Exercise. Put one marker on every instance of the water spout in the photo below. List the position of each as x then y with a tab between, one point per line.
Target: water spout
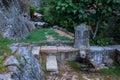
82	54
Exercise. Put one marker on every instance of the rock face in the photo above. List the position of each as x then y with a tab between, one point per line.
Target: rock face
13	21
12	61
25	7
36	3
28	68
5	76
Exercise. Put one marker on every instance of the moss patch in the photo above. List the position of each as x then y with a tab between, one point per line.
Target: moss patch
74	65
115	71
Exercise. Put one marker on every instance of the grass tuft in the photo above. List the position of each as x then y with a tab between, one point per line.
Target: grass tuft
4	49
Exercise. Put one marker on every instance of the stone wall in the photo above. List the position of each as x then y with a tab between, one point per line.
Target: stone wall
117	56
103	54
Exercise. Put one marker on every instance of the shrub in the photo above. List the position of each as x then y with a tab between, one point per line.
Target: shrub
69	13
32	11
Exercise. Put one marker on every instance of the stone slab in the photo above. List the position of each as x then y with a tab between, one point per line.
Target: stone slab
66	49
36	50
49	49
96	48
51	64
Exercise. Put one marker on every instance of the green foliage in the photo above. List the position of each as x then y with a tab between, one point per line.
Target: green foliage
113	29
32	10
2	67
68	14
3	45
55	13
101	41
108	32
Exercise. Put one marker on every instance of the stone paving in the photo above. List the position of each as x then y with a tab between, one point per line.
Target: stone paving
64	73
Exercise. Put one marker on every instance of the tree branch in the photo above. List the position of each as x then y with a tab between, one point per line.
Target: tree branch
96	29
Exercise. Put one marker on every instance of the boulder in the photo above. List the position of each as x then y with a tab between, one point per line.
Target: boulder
12	63
29	68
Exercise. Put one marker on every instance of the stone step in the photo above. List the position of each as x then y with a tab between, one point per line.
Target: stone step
36	51
51	64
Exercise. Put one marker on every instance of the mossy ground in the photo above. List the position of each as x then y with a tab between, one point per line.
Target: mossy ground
115	71
40	35
112	73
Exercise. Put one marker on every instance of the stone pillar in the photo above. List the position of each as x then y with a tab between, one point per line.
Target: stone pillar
82	38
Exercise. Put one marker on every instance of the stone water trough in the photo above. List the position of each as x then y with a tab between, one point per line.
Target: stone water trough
97	55
52	54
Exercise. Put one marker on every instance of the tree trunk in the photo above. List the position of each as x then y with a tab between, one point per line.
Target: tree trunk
96	29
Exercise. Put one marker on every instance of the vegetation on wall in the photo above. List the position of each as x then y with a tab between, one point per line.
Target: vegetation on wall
96	13
4	50
32	11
